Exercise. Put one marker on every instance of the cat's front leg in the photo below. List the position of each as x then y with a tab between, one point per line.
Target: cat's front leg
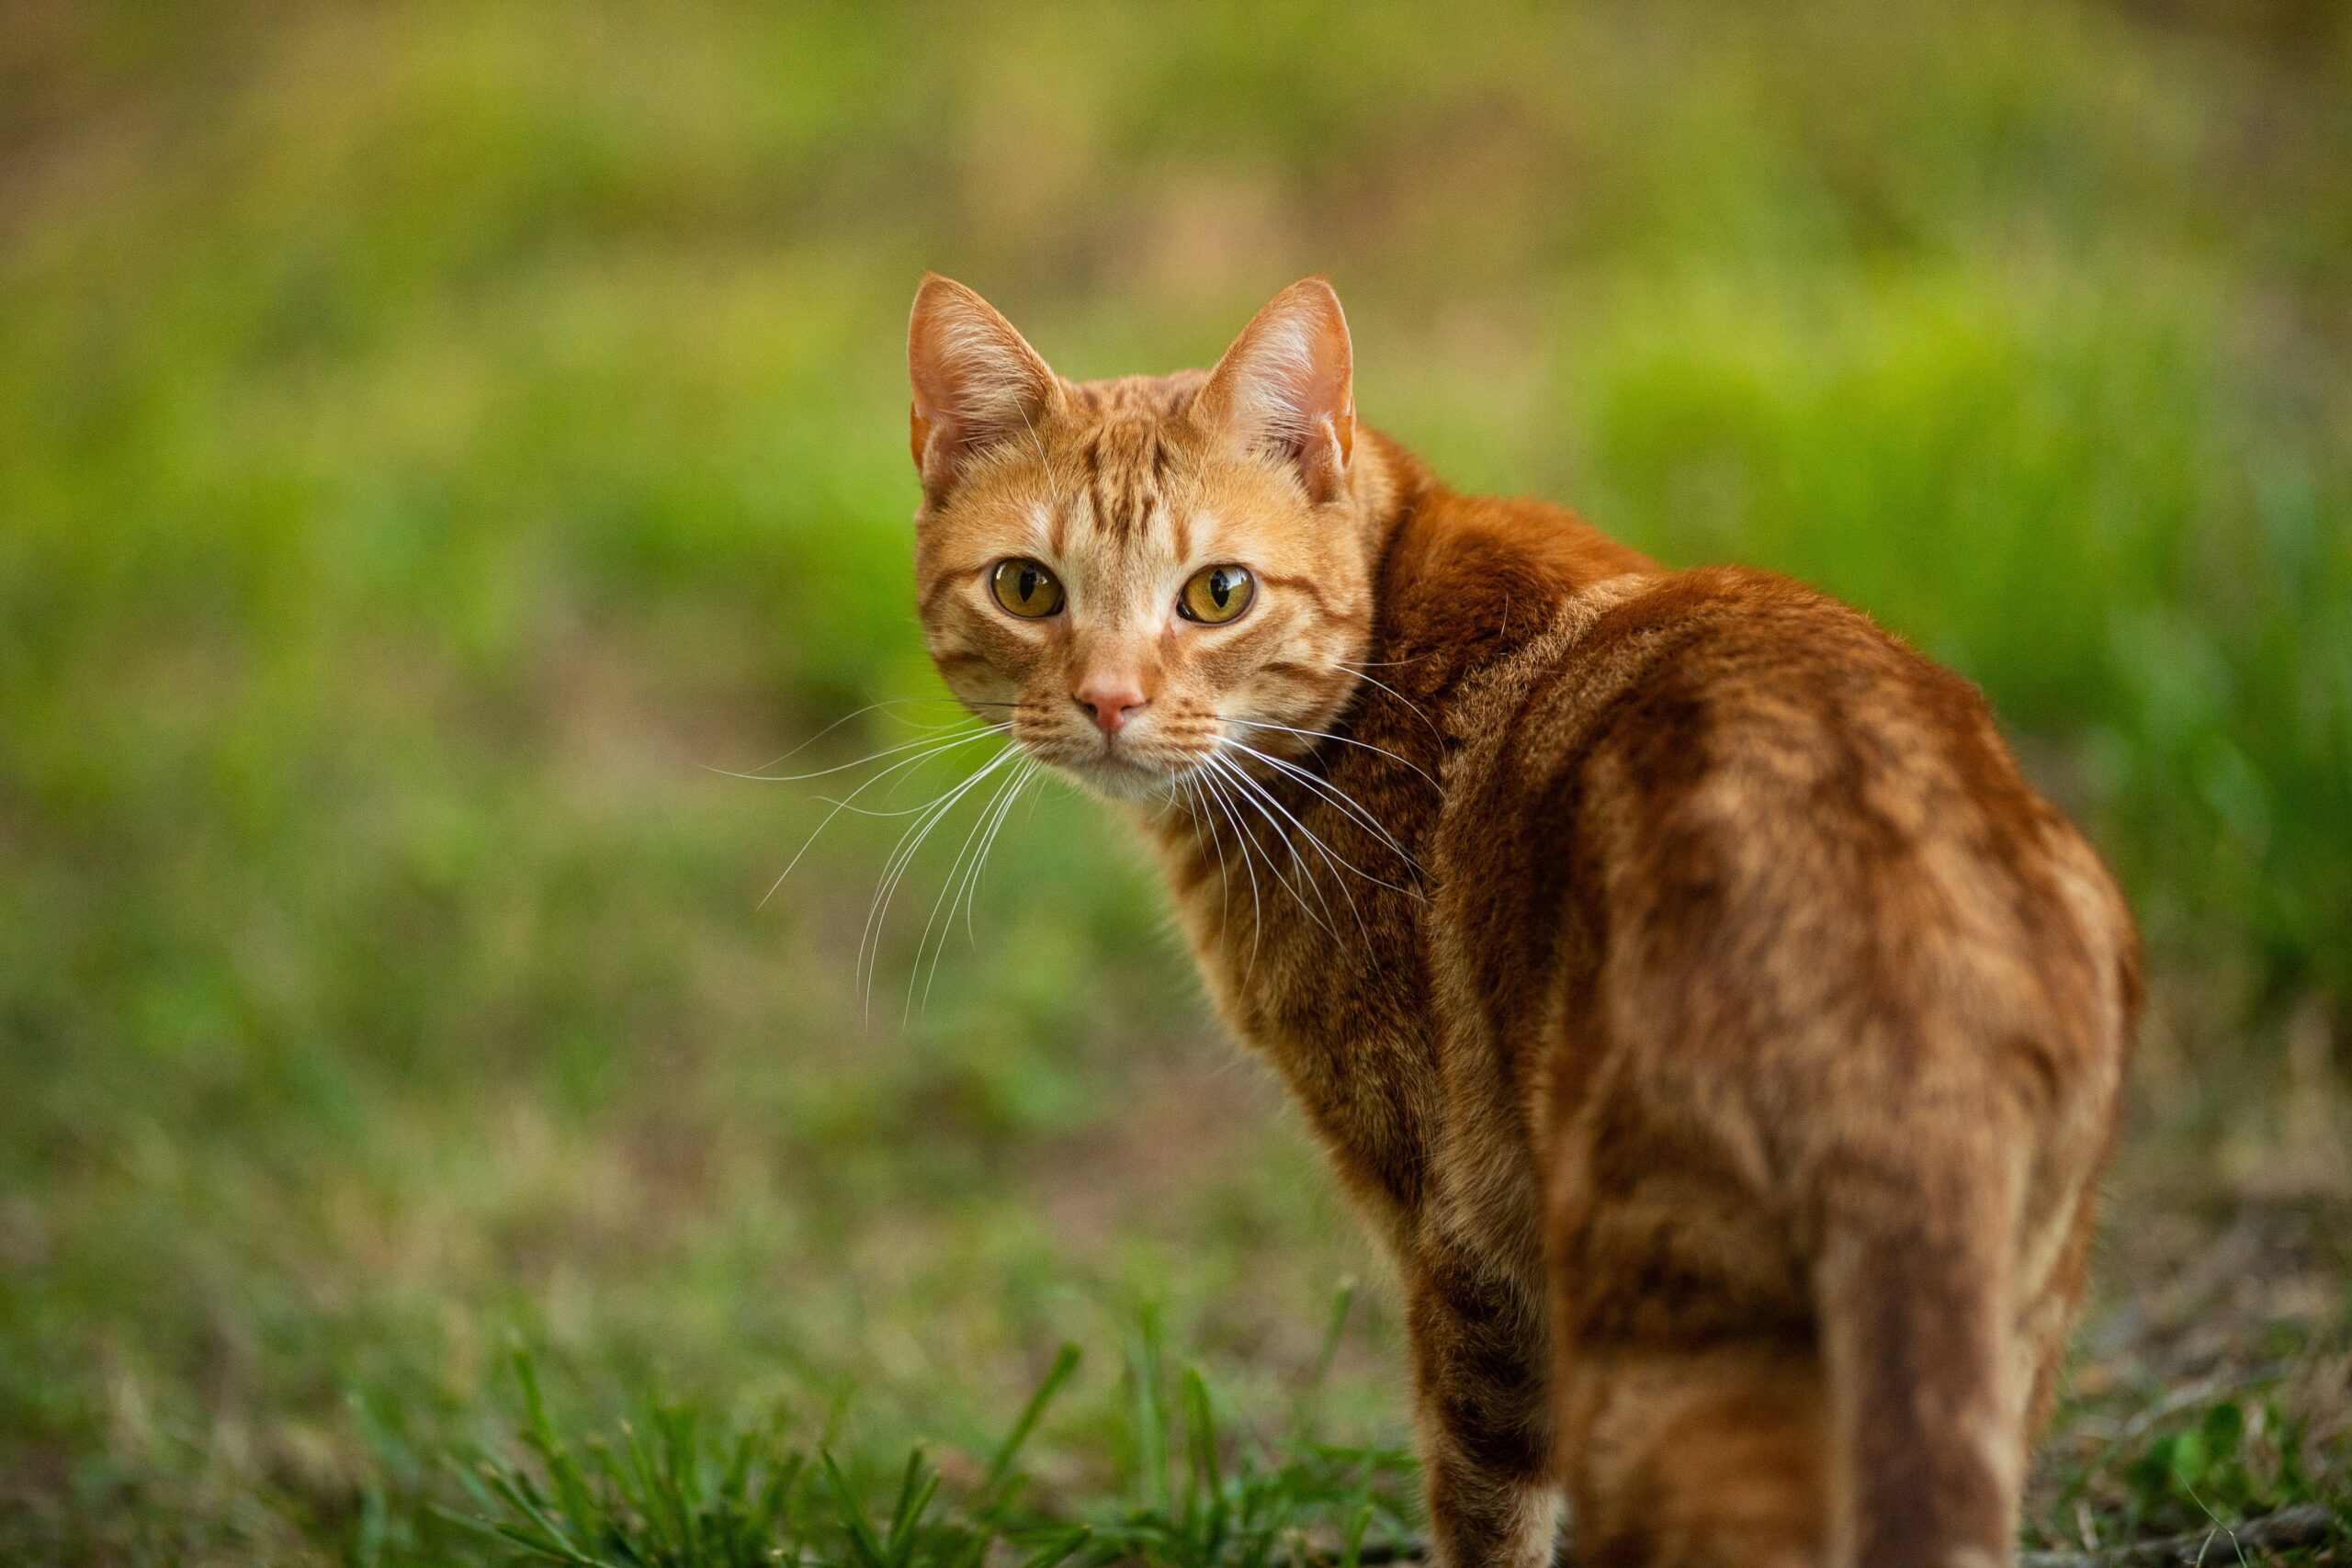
1484	1412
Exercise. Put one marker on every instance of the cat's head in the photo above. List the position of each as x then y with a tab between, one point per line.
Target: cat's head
1143	574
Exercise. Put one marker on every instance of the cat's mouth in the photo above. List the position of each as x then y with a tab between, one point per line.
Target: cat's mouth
1124	772
1128	778
1145	758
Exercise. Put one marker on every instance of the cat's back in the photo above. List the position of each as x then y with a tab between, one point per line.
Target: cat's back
1822	844
1752	750
1730	810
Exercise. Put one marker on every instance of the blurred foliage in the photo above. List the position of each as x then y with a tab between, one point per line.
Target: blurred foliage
433	437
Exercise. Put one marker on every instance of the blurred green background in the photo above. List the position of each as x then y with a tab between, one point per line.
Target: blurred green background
434	438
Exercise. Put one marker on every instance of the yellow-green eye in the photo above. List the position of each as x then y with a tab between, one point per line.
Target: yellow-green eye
1026	588
1216	594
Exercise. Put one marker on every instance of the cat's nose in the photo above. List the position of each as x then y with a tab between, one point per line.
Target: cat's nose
1111	701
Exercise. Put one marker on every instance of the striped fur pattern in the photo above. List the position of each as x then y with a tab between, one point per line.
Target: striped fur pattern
1721	1035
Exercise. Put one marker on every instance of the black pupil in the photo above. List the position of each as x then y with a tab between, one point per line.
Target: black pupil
1220	587
1028	589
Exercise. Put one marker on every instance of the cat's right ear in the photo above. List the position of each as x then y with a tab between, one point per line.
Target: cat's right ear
976	381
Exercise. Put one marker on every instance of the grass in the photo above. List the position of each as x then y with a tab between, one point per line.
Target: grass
434	440
673	1494
668	1490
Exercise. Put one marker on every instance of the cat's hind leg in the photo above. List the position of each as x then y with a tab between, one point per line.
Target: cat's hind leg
1705	1458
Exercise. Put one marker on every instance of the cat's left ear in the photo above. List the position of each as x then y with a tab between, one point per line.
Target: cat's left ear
1287	385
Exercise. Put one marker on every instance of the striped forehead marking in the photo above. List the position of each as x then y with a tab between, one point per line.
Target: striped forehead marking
1125	464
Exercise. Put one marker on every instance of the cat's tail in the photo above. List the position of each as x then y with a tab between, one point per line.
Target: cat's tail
1927	1403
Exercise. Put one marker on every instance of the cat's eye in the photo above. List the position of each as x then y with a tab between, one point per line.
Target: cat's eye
1026	589
1216	594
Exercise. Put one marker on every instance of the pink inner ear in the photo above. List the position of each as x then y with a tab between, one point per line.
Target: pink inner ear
1287	384
1307	374
976	379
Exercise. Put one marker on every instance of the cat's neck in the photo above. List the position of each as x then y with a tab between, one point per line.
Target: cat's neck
1386	484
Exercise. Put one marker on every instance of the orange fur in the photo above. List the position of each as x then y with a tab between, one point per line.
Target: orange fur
1723	1037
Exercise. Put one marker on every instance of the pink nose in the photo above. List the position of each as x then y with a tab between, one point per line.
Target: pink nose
1112	702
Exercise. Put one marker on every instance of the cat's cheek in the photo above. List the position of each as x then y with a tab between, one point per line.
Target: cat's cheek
974	639
973	673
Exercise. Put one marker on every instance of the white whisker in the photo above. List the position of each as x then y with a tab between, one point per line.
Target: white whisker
983	833
1323	851
1348	804
932	739
911	843
1223	885
846	803
1401	697
1327	735
854	712
1029	775
1378	663
1249	795
1215	792
948	886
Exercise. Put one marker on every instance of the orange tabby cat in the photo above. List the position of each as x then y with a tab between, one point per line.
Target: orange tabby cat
1722	1036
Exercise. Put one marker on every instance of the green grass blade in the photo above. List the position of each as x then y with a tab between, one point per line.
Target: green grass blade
571	1494
854	1525
1341	1302
1150	1417
1059	1548
1000	1467
1207	1509
916	1489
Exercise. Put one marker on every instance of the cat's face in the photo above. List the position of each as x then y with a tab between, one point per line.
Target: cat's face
1140	576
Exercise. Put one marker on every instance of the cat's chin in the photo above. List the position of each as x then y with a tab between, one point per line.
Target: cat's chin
1114	777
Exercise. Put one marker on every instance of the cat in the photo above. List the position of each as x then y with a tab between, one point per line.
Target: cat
1722	1038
